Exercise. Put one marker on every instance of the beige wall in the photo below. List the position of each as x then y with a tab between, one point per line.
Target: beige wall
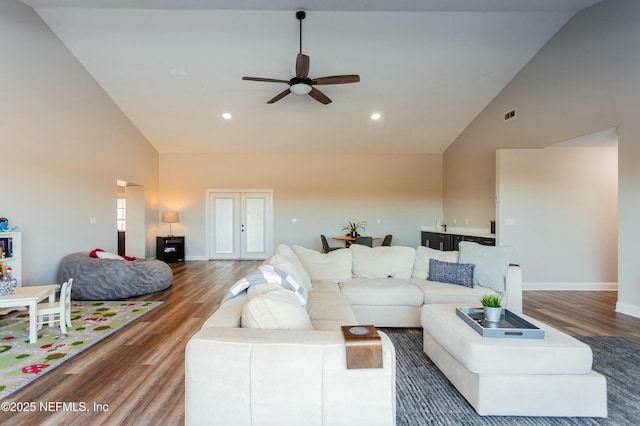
558	207
322	191
585	79
64	144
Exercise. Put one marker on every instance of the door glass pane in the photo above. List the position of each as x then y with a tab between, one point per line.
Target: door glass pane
255	225
121	217
224	225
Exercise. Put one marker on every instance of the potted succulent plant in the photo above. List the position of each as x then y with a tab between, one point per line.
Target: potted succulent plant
352	228
492	306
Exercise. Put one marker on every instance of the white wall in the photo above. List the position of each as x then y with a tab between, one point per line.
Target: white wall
64	145
585	79
558	208
322	191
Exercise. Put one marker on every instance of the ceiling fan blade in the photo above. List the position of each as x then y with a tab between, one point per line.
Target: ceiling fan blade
319	96
337	79
279	96
302	66
268	80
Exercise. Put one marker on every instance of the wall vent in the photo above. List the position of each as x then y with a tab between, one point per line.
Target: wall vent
509	115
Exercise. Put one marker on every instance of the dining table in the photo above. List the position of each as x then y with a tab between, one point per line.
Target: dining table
348	240
30	296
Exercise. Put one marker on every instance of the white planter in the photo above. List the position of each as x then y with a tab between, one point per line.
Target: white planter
492	314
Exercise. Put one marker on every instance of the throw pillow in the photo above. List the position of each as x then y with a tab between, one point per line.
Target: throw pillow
101	254
382	262
333	266
259	290
424	254
492	264
451	273
277	309
284	264
107	255
285	250
267	274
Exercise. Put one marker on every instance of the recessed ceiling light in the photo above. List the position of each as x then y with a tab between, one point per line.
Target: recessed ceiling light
226	116
375	116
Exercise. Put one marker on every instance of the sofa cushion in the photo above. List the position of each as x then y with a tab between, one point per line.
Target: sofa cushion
276	309
451	273
285	250
284	264
330	311
267	274
333	266
382	262
325	286
382	291
437	293
491	263
424	254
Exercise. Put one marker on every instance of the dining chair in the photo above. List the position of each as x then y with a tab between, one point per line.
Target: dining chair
60	310
325	245
365	241
387	240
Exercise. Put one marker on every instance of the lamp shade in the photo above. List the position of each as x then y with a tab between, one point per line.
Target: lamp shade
170	217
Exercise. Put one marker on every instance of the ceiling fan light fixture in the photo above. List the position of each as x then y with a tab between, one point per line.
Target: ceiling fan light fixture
300	89
301	84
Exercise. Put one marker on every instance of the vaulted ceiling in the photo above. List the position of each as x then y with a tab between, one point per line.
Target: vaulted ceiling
427	67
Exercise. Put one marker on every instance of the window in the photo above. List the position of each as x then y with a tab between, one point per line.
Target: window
121	218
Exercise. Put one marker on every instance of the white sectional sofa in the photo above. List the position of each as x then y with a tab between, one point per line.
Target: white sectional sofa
266	358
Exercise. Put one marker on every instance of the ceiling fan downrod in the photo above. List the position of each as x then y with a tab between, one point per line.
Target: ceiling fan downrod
300	15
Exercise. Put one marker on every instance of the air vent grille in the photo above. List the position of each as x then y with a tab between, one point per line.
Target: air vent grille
509	115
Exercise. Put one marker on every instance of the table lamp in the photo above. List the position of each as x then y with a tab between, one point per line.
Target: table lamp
170	217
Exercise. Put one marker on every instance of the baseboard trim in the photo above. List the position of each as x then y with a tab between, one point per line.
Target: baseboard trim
566	286
196	258
627	309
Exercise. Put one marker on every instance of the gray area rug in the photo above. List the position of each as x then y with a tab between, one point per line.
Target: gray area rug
425	396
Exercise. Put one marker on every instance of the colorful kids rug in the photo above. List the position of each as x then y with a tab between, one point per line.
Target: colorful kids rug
22	362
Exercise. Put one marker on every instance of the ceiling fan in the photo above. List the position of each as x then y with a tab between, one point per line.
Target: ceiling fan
301	84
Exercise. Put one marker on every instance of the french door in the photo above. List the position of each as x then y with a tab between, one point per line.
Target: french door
239	224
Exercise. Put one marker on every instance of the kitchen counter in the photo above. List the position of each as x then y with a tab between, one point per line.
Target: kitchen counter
472	232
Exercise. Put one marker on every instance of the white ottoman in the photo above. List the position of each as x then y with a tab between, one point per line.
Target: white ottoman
514	376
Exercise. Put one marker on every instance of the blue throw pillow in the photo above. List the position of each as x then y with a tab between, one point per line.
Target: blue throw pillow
451	273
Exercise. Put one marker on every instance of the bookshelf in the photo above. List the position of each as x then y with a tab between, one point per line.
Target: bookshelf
11	257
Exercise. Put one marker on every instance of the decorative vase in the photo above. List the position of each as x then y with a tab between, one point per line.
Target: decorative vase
492	314
354	234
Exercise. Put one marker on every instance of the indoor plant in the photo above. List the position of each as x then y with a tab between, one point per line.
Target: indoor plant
352	228
492	306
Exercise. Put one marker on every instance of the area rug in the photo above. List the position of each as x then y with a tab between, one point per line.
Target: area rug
22	362
425	396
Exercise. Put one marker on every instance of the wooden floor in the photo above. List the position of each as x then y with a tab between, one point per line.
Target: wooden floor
137	374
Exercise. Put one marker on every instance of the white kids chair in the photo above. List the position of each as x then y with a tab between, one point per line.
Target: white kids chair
57	311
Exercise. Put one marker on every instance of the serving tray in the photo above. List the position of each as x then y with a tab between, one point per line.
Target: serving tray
510	325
